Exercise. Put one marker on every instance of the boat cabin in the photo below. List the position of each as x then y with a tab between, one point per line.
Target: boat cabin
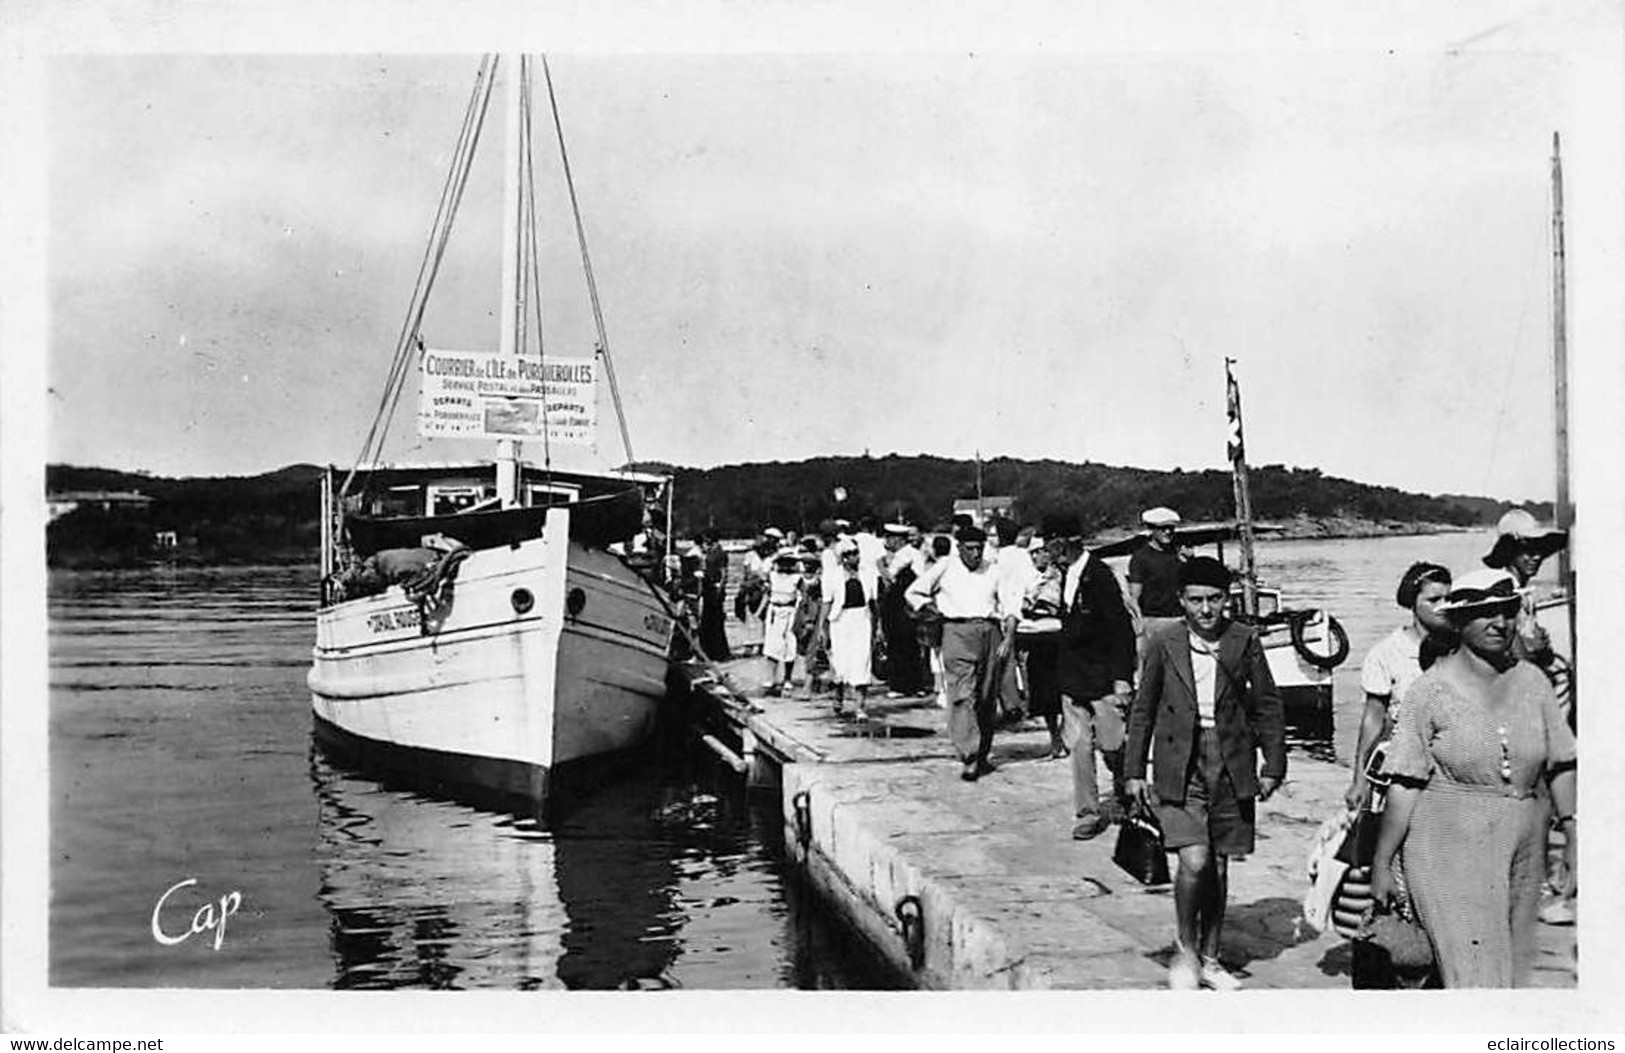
400	506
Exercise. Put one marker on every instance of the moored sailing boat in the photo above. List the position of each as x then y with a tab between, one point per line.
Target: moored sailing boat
475	634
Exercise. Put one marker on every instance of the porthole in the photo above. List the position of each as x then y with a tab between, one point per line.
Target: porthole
575	602
522	601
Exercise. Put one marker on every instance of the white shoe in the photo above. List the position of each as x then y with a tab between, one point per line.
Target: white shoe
1215	977
1183	975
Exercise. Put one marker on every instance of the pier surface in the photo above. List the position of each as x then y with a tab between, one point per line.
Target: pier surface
1004	898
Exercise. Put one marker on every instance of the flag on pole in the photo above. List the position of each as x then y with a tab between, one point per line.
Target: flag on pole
1234	445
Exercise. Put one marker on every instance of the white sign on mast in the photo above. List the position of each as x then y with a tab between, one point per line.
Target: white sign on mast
489	395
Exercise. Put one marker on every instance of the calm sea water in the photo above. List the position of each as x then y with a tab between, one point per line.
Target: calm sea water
181	750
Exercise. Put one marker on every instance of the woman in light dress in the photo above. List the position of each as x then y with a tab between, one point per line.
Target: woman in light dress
1391	667
1477	733
783	595
1394	664
850	593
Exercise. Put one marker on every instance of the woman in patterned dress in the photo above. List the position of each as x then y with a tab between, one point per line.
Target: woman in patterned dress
1477	732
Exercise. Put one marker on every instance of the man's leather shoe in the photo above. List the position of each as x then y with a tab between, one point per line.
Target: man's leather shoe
1089	827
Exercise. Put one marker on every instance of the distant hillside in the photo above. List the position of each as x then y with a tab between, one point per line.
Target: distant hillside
274	517
737	498
270	518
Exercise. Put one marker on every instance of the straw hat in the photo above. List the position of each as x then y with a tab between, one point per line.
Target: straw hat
1518	531
1482	589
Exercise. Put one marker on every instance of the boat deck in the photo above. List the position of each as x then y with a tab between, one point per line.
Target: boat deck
1008	899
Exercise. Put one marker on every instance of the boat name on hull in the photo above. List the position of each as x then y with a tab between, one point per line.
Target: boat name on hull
389	621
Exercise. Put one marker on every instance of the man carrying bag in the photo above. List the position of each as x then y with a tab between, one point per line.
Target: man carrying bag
1207	699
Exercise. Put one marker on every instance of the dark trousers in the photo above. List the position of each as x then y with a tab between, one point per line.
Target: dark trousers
713	634
906	670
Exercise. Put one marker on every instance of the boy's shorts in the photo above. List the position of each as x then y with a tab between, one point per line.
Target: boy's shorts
1211	813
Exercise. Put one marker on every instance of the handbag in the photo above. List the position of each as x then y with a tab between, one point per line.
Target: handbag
1404	942
1140	852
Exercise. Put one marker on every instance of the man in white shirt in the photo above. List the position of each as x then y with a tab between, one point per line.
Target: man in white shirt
871	550
965	590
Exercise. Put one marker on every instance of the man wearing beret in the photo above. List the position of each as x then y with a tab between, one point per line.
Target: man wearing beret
1208	703
1096	664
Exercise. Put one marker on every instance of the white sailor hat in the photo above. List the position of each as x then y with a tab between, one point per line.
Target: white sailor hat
898	529
1160	517
772	532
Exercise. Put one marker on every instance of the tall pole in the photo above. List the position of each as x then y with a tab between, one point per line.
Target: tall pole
1237	448
508	450
981	516
1564	510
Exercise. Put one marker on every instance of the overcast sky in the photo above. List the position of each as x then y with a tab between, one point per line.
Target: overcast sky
1030	254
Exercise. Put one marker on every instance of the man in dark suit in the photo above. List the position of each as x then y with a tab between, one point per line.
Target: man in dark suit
1095	666
1208	701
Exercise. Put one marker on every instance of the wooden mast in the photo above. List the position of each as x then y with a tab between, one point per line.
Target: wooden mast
981	515
509	451
1237	450
1563	513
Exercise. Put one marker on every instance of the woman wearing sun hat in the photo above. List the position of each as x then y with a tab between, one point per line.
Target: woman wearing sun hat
1521	546
1477	733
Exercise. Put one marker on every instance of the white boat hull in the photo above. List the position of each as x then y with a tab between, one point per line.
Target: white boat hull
1301	683
498	694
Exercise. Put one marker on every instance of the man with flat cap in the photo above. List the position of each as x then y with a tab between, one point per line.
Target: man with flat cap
978	631
1153	570
1207	702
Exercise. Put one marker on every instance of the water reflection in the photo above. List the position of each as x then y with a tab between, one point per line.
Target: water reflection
431	893
669	877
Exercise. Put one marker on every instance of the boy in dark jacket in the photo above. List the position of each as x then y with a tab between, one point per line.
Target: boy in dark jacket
1207	700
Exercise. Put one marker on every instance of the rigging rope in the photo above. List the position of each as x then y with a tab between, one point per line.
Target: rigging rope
451	194
586	265
533	270
423	267
422	303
